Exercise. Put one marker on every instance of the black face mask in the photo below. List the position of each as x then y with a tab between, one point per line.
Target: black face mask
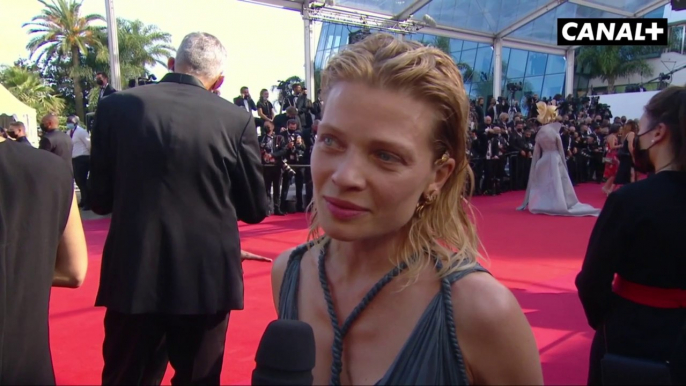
43	127
642	162
12	134
100	82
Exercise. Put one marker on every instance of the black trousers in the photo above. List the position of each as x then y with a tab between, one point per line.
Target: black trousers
138	347
272	181
82	166
309	188
299	183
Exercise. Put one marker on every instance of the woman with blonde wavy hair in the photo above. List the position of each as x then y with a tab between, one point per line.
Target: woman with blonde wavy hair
550	191
389	280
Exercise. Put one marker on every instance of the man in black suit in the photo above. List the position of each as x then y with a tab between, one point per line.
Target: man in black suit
245	101
103	82
54	140
177	166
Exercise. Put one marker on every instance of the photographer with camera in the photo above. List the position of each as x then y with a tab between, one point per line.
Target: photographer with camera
309	139
272	149
281	120
531	101
522	162
294	155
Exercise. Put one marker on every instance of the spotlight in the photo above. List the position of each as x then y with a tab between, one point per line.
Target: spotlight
428	20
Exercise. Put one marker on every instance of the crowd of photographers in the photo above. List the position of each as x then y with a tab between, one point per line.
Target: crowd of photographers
503	135
288	130
502	138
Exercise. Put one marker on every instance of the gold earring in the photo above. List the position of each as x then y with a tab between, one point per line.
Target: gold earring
427	199
444	158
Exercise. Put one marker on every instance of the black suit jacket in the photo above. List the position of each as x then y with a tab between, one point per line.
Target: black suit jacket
59	143
238	101
177	166
108	90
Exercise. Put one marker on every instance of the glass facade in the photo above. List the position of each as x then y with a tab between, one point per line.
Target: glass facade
539	73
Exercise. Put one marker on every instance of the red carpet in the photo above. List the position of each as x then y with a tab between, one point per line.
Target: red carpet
534	255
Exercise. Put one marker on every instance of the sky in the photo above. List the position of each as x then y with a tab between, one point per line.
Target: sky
265	44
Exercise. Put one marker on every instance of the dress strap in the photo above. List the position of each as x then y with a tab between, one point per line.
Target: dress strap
288	294
447	297
341	331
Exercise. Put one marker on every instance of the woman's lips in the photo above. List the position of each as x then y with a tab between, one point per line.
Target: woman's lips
344	210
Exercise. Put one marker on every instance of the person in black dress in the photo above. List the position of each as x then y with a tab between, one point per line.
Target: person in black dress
639	238
626	164
41	245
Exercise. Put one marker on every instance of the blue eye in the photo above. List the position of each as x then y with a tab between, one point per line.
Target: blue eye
386	157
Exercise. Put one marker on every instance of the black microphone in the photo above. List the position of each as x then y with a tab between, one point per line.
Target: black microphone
285	355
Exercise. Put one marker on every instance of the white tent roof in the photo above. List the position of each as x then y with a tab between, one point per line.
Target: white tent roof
10	105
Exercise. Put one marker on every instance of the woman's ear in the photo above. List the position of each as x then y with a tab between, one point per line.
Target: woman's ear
661	131
442	172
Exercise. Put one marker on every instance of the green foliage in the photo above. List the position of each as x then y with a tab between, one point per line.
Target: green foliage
28	87
67	49
141	46
60	31
611	62
442	43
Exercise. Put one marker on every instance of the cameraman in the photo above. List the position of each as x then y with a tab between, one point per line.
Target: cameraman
294	156
272	149
531	106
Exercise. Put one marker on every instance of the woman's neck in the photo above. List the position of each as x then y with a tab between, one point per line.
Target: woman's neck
364	258
664	161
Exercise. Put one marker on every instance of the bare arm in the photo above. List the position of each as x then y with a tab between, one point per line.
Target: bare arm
496	339
630	138
251	256
72	256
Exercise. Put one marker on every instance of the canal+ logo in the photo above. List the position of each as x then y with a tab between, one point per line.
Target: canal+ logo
612	32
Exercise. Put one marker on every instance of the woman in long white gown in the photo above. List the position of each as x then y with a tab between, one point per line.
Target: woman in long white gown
550	190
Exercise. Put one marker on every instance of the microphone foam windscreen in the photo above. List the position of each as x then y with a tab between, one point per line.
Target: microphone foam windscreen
287	345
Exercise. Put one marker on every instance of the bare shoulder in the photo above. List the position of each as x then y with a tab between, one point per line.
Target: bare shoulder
480	301
493	332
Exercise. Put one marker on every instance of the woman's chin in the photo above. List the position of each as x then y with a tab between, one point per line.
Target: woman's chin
343	231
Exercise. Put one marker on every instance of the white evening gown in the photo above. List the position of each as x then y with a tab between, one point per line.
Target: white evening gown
550	190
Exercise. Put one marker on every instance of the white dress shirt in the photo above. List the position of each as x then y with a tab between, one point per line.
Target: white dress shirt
81	141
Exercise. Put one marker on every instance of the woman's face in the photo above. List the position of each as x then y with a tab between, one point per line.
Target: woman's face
372	161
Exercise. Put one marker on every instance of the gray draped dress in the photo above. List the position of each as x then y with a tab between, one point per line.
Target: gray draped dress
430	356
550	191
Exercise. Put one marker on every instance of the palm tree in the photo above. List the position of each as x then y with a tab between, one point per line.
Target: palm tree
29	88
141	46
61	32
611	62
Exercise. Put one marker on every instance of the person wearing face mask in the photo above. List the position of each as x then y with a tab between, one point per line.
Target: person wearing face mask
55	140
633	280
103	81
17	131
177	167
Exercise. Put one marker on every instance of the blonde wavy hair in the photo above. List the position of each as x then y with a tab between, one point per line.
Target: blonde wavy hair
546	113
441	228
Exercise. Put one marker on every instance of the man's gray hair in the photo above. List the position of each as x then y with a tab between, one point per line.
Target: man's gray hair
201	55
